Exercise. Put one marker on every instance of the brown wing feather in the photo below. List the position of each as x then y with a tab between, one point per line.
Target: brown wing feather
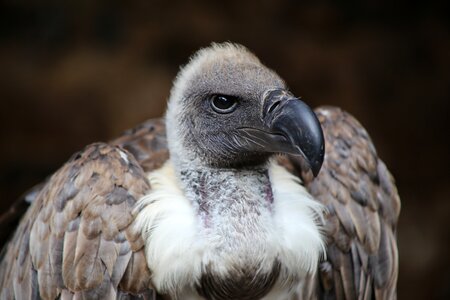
363	208
77	238
147	142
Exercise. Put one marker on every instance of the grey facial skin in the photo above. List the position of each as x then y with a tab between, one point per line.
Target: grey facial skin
248	135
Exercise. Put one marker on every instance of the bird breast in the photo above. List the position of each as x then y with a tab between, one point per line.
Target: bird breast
228	234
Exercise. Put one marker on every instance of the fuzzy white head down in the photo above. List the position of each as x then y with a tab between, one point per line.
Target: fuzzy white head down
178	245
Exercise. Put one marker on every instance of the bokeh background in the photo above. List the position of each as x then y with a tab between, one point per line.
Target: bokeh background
76	72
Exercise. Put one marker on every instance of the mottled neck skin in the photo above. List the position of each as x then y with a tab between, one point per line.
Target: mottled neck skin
228	193
235	208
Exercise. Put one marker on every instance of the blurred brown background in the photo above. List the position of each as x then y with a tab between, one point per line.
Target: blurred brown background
84	71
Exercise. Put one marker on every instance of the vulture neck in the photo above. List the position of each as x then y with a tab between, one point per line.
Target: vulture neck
236	193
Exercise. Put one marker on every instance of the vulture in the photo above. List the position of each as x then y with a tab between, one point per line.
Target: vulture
240	192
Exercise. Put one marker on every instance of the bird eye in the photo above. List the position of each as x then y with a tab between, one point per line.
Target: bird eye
223	104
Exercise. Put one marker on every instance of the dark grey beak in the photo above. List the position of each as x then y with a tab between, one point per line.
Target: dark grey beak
290	126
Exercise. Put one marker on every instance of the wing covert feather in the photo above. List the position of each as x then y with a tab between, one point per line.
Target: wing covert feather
147	142
77	239
363	208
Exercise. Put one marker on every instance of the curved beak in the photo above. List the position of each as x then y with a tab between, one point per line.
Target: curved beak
289	126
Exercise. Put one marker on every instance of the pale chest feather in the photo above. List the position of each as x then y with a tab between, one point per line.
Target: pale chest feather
204	231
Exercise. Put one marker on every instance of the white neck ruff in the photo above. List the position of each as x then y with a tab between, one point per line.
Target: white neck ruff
177	245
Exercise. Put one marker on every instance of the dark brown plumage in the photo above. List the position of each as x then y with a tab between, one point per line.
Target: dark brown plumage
78	232
363	208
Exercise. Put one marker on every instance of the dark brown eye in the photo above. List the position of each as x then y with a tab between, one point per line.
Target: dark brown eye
223	104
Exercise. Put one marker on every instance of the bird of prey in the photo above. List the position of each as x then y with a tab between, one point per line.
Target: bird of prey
240	192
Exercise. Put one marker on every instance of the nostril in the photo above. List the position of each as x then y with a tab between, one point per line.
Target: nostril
274	105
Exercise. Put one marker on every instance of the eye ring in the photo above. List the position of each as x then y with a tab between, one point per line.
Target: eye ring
223	104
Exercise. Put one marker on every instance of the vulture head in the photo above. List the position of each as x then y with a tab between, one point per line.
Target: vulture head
227	109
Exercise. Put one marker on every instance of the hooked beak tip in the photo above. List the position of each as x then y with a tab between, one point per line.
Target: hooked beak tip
295	120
